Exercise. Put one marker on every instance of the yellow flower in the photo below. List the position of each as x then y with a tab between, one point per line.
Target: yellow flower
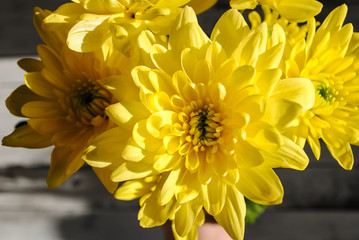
65	102
298	11
93	22
328	57
208	128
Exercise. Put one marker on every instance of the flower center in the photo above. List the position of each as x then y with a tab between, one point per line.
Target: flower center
327	93
88	101
204	128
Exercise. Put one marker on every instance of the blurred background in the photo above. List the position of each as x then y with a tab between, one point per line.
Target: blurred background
321	203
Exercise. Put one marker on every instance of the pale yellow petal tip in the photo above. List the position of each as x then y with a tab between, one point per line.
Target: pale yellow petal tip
200	6
53	182
243	4
186	16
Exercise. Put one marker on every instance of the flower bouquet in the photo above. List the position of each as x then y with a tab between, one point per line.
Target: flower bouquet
189	124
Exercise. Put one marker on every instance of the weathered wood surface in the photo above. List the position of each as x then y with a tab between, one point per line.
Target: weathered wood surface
321	203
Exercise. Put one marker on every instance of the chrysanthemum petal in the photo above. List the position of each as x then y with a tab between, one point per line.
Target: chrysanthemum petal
300	10
152	214
121	87
88	35
216	55
18	98
104	175
187	187
282	113
158	123
30	65
299	90
343	155
200	6
230	30
36	83
185	217
64	162
42	109
240	78
243	4
264	136
289	155
214	196
271	58
253	105
130	170
127	113
247	155
231	218
188	33
49	125
25	136
133	189
261	185
107	147
144	139
161	57
168	189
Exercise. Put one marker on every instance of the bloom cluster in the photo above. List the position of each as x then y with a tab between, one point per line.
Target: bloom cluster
188	123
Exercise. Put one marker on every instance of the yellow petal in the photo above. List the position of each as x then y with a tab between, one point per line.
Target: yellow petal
264	136
214	196
188	33
231	218
270	58
243	4
131	190
36	83
30	65
42	109
253	105
144	139
64	162
343	155
185	217
168	189
299	90
130	170
266	80
300	10
121	87
240	78
247	155
106	148
152	214
104	175
127	113
282	113
289	155
230	30
18	98
88	35
200	6
187	187
260	185
25	136
158	123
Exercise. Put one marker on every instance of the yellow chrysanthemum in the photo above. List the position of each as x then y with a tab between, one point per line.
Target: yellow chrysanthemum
65	102
92	22
327	57
298	11
208	128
